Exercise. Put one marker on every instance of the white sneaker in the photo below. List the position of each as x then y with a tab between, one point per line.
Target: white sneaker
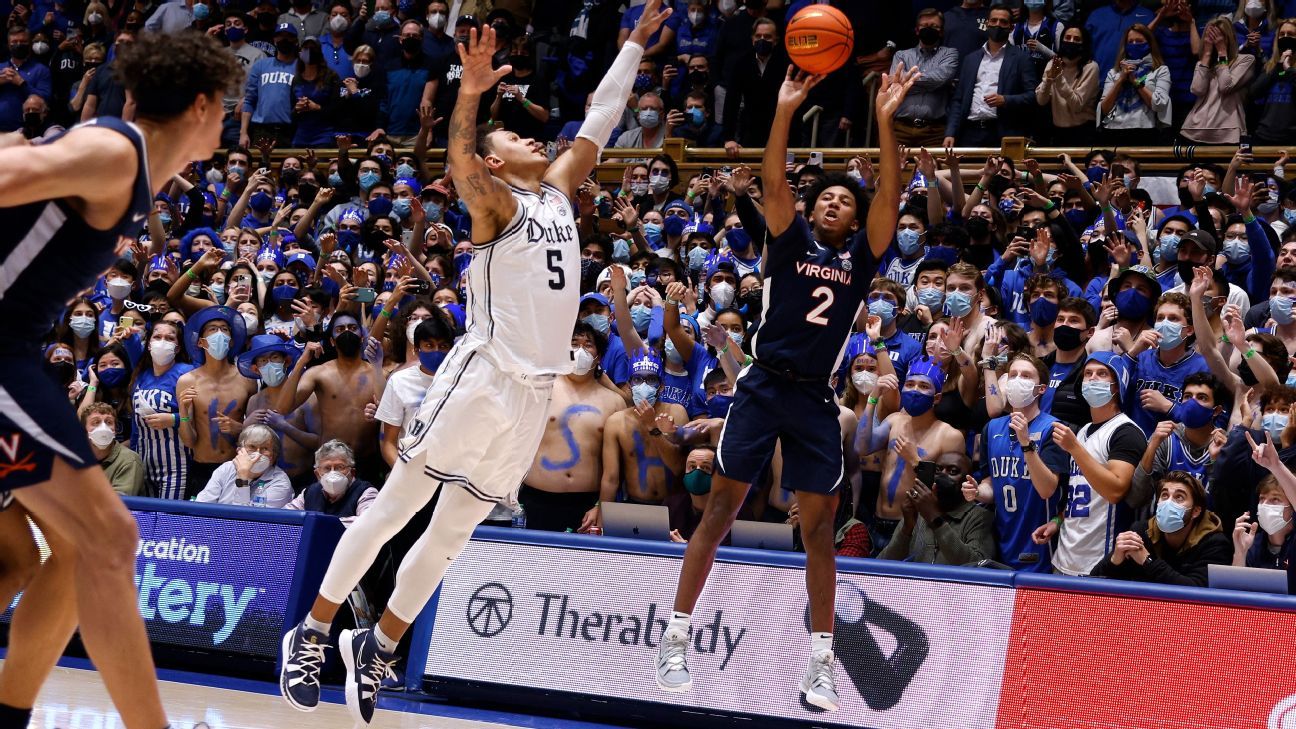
672	665
819	683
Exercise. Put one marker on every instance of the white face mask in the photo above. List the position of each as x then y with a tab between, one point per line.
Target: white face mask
102	435
1271	518
260	464
584	361
409	330
436	21
864	381
727	7
118	288
338	23
1020	391
361	69
162	351
335	483
251	321
1254	9
722	295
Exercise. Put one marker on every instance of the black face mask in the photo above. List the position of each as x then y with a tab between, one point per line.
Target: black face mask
32	120
699	78
1070	49
522	63
61	372
1282	45
763	47
411	45
755	302
287	47
929	36
998	33
949	492
20	51
997	185
1066	338
977	228
348	344
288	178
1186	269
1185	199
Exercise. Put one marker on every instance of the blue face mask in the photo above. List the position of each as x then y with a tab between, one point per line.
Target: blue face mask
218	344
1171	334
642	82
673	225
380	207
958	303
1008	207
260	203
1237	251
1095	173
653	233
1078	219
1136	51
600	322
328	286
1131	304
335	180
368	179
348	240
1096	392
433	211
1043	312
1168	249
737	239
620	250
909	241
718	405
883	309
696	116
462	262
430	361
931	298
234	35
381	17
1191	413
736	338
273	374
1280	308
285	294
201	11
1209	189
644	393
165	219
640	315
916	403
112	376
401	206
638	278
1273	423
404	170
1170	516
672	354
697	257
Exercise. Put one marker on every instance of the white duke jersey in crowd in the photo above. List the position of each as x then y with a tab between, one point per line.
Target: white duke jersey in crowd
1089	527
524	287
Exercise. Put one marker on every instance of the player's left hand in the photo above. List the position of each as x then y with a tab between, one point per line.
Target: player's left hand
891	92
796	87
653	17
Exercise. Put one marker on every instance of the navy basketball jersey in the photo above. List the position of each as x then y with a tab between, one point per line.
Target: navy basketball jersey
812	296
49	254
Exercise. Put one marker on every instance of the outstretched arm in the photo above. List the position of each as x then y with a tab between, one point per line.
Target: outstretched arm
884	210
780	205
573	167
489	201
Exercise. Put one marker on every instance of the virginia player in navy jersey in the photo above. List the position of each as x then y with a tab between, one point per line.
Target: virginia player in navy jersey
63	206
817	272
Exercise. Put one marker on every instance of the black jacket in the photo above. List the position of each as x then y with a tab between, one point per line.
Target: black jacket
1206	545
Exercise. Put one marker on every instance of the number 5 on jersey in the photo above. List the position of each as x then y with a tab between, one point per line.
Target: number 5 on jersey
555	264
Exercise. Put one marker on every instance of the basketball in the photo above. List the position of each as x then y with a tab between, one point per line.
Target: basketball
820	39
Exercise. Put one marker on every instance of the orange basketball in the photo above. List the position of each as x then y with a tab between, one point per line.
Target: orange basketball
819	39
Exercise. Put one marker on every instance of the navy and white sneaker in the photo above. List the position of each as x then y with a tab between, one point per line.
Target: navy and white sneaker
366	669
303	657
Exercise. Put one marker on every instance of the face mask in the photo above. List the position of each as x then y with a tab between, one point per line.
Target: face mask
1070	50
401	206
882	309
218	344
864	382
857	176
338	24
1168	249
1136	51
697	482
431	361
436	21
644	393
1271	518
273	373
673	225
736	338
1254	10
909	241
253	325
1170	516
235	35
1043	312
201	11
722	295
40	48
1096	392
583	361
404	170
932	298
1133	305
641	316
1273	423
977	228
361	70
695	116
1282	45
1171	334
368	179
998	34
217	292
1066	338
738	240
1237	251
638	278
411	46
113	376
348	344
381	17
639	188
287	47
260	203
1078	219
118	288
601	323
929	36
1034	4
1191	413
1280	308
642	82
763	47
659	182
699	78
102	435
283	294
215	176
94	18
697	257
727	6
162	351
260	464
82	325
958	303
335	483
916	403
697	18
1020	391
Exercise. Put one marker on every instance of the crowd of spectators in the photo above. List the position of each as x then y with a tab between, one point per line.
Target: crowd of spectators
1051	373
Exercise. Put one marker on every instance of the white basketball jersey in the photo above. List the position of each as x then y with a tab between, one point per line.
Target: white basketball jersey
1089	529
524	287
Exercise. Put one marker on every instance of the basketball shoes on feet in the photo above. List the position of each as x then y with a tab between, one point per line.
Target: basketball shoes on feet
672	664
366	668
819	684
303	657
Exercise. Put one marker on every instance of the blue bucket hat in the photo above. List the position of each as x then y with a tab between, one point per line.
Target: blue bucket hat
262	345
194	327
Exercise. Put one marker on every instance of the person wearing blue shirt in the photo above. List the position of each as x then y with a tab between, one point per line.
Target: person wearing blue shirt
699	32
268	96
333	40
1107	26
1250	258
1161	359
20	77
407	75
661	43
885	299
900	264
596	311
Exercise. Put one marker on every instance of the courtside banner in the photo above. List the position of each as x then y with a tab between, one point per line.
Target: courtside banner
911	652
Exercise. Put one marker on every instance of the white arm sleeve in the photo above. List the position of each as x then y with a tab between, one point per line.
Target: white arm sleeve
610	96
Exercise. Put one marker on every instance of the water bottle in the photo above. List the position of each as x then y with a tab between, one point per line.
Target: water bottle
519	517
259	494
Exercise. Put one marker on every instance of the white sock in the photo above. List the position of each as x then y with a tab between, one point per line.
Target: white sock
385	644
679	621
820	642
315	625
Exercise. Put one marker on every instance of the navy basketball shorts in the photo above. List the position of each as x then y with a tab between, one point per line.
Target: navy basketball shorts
768	408
37	425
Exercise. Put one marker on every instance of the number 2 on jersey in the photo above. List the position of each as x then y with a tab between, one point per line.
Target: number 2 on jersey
555	264
816	314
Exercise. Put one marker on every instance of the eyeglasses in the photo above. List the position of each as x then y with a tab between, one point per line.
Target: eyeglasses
141	308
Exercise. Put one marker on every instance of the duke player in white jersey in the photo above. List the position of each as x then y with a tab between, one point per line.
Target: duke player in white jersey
482	420
64	204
